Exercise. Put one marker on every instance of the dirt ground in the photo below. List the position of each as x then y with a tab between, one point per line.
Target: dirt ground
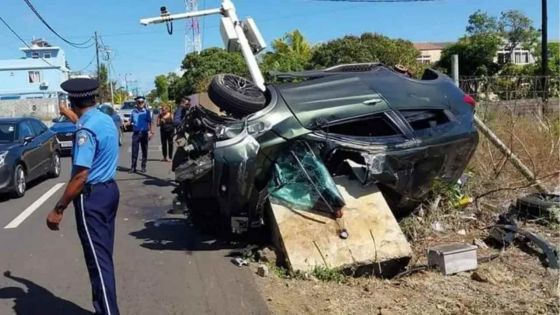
516	282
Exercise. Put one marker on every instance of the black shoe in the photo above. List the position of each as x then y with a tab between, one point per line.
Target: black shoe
132	170
143	170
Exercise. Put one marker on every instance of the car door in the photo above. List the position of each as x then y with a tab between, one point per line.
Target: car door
30	149
46	144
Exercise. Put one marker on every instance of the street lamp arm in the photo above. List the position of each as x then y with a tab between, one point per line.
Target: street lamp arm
180	16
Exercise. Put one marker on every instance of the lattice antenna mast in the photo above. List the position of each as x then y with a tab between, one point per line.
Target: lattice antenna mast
193	42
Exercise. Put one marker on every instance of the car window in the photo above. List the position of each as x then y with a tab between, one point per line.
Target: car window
128	105
106	109
373	126
7	132
38	127
25	130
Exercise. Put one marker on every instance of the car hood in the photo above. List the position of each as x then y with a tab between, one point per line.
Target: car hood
7	146
63	127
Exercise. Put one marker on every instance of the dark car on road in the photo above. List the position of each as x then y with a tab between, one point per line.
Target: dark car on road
369	122
28	151
65	129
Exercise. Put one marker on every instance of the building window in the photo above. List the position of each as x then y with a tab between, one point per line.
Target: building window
47	55
35	55
34	76
426	59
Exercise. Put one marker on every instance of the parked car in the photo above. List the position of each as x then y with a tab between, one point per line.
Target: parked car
124	112
367	121
28	151
65	129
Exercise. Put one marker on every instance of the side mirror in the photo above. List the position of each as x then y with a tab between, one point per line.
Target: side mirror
27	140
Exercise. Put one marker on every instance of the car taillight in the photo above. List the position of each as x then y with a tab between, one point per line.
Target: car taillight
469	100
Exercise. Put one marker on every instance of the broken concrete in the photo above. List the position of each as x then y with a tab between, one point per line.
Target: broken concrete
311	239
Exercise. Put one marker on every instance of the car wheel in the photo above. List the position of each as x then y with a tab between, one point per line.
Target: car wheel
20	182
236	95
55	166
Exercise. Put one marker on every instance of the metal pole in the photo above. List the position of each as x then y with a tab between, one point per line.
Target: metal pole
97	56
455	68
544	49
524	170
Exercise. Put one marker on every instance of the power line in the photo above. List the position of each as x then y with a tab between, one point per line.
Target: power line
73	44
89	64
21	39
378	0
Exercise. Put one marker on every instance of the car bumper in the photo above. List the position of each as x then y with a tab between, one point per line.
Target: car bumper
6	178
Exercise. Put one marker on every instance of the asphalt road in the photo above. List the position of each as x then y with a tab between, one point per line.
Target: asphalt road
163	264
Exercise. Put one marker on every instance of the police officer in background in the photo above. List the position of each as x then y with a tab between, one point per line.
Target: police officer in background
92	189
141	120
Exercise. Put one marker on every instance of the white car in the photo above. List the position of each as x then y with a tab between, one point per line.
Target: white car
124	112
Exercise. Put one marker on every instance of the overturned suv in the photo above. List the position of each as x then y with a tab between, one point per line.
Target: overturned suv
367	121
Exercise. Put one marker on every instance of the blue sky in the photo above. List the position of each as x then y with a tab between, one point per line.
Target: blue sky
145	51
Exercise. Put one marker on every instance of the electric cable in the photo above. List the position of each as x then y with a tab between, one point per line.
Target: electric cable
82	45
23	41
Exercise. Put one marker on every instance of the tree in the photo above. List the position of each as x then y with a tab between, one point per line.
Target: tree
200	68
517	30
480	23
476	55
366	48
289	53
104	88
162	85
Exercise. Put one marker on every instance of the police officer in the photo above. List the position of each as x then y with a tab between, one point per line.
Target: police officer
141	120
93	190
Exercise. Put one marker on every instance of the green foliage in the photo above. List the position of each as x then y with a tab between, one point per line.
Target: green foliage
290	53
476	55
200	68
323	273
104	88
449	192
517	30
480	23
366	48
162	86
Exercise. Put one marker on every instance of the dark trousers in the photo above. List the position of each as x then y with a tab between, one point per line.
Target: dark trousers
139	139
166	142
96	208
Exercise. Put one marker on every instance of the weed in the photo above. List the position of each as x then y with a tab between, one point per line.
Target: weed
327	274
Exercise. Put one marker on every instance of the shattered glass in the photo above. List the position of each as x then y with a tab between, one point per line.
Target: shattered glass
302	181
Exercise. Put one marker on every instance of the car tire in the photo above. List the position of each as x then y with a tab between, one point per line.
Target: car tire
236	95
54	170
538	205
19	182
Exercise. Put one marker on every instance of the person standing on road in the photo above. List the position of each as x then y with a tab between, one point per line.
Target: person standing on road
166	131
141	120
181	111
92	189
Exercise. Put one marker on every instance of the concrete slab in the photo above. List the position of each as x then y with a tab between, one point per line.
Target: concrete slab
312	239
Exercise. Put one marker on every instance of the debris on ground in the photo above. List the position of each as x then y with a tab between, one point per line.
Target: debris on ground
491	274
239	262
262	270
453	258
480	243
267	255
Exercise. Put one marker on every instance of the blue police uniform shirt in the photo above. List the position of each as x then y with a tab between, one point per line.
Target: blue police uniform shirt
96	146
141	119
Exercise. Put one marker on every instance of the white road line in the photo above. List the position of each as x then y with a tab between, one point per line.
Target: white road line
34	206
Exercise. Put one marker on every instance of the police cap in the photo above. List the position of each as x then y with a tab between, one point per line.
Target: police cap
140	98
80	87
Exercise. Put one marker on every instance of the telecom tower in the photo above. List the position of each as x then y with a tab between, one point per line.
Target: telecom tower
193	42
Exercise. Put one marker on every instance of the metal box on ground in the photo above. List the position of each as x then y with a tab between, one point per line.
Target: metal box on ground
453	258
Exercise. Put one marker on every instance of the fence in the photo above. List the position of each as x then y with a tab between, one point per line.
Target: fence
42	108
521	94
